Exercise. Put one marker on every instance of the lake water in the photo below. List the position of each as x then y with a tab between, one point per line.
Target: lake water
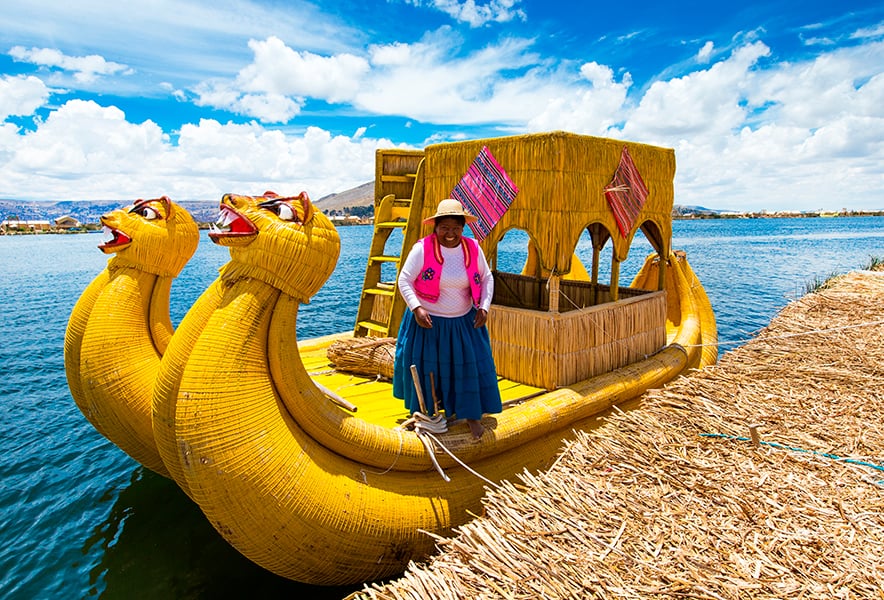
78	518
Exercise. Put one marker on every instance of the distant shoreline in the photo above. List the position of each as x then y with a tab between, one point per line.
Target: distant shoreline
779	215
96	228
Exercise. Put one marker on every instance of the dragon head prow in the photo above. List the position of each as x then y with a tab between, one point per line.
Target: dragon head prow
156	235
281	240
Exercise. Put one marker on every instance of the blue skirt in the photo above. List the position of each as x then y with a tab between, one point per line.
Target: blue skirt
459	357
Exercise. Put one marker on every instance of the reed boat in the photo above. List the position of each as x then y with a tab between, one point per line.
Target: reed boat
120	326
297	452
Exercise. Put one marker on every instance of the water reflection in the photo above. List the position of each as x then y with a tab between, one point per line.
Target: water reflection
156	543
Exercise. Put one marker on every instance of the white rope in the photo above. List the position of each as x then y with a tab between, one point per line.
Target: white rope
434	424
425	427
421	424
395	460
422	436
458	461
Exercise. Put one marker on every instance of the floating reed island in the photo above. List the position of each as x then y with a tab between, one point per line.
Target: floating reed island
762	477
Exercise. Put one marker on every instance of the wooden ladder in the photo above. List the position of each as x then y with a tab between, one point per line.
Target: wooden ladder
399	200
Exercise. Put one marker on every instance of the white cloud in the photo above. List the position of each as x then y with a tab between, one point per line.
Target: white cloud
86	69
705	52
87	151
593	110
832	80
281	70
750	138
268	108
750	130
477	14
503	83
21	95
424	80
81	138
173	36
875	31
706	102
243	158
274	86
818	41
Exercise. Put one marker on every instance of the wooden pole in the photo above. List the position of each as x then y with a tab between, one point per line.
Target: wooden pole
417	389
615	279
753	434
335	398
436	408
661	272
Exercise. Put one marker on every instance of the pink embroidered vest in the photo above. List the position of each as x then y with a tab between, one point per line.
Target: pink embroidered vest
426	285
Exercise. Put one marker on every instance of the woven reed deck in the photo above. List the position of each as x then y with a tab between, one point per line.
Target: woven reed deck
374	398
672	500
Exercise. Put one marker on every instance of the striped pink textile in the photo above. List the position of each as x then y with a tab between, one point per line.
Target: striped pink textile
626	194
486	191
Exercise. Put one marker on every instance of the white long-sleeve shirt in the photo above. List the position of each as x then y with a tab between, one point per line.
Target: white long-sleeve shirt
454	288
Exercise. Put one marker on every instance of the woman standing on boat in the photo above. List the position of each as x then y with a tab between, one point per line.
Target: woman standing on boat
448	287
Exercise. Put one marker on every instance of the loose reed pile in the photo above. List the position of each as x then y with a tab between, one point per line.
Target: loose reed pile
371	356
674	500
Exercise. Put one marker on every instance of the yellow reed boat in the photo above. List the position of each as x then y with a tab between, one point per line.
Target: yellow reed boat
305	464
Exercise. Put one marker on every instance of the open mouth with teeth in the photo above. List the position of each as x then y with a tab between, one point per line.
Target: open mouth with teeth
231	228
113	240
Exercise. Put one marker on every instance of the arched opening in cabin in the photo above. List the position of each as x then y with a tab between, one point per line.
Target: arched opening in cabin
512	252
596	253
574	320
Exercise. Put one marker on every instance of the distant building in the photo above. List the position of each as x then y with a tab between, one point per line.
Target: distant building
24	226
66	222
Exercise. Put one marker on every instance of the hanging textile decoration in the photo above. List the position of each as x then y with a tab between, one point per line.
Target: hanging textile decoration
626	194
486	191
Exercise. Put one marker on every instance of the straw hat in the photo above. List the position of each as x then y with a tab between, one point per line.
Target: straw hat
450	208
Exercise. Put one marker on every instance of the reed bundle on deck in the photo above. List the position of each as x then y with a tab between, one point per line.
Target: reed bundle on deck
371	356
762	477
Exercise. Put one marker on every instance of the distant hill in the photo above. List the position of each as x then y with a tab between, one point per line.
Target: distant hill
681	210
203	211
362	195
88	211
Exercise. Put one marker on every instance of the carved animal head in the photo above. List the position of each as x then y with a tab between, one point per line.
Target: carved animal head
156	236
283	241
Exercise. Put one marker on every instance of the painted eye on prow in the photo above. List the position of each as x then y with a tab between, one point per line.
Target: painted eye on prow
286	213
283	210
147	212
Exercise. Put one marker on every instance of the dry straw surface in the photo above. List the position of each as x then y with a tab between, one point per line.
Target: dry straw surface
674	500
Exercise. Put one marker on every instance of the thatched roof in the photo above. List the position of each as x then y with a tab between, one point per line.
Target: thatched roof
673	500
561	179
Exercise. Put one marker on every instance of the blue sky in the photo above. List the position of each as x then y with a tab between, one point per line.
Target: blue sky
769	105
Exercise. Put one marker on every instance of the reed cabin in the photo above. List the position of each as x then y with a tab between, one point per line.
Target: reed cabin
554	323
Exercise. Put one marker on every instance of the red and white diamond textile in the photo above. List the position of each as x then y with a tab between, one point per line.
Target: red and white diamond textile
626	194
486	191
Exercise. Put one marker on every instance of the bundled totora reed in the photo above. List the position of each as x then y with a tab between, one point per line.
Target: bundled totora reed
762	477
372	356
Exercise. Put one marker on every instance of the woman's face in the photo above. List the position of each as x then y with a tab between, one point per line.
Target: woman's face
449	231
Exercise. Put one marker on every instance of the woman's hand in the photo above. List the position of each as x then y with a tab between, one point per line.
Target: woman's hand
423	317
481	317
